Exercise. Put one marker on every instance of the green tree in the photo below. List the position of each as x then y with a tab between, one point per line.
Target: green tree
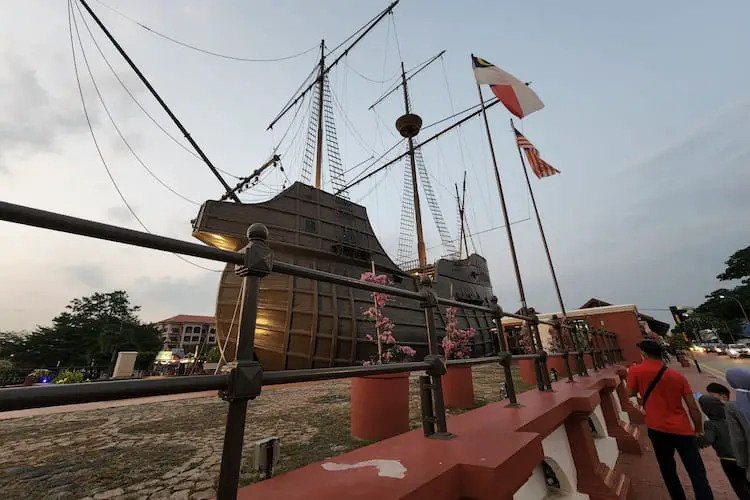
87	333
723	313
738	267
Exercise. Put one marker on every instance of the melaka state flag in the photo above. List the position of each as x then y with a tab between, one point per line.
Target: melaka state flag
512	92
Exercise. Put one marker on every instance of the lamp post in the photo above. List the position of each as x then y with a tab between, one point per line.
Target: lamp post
744	313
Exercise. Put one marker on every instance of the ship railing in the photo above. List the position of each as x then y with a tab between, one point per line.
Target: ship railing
245	381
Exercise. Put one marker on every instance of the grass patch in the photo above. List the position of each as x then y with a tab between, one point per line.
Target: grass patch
330	399
332	439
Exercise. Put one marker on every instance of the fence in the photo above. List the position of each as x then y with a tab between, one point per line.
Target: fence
246	380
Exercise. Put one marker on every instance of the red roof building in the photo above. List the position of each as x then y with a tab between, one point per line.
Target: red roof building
187	331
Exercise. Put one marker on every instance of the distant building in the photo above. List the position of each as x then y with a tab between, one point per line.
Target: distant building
187	331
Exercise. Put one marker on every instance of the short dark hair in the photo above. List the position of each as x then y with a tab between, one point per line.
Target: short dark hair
716	388
651	348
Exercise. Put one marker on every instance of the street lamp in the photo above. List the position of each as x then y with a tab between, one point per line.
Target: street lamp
744	313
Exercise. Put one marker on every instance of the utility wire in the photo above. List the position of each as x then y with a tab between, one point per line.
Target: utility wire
72	22
199	49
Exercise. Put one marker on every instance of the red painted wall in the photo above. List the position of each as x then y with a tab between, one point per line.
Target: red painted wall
625	325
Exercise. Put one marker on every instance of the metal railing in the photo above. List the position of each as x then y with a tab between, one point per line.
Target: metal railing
245	381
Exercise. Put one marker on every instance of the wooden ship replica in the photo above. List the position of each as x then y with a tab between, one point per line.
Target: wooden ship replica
307	324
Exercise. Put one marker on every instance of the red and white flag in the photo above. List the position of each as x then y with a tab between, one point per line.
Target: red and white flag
540	167
512	92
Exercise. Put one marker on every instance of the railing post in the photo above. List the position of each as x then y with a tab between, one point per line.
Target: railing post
592	346
505	356
557	330
543	380
616	347
602	349
247	378
582	343
437	364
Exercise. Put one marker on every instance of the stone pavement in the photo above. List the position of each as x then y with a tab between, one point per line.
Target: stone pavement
643	470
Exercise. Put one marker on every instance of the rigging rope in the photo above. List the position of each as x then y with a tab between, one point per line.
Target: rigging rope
117	128
71	23
137	102
201	50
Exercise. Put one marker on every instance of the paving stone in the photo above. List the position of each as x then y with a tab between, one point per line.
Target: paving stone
180	495
203	495
109	494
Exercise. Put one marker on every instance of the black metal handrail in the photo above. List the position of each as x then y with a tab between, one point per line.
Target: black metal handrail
244	382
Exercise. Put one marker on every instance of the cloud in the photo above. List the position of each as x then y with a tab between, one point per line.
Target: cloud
167	296
91	276
32	119
120	214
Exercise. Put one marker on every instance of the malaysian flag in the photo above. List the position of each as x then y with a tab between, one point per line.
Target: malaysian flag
540	167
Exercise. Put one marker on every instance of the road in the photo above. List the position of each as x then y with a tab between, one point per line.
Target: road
718	365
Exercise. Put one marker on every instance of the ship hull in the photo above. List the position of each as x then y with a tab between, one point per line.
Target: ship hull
303	323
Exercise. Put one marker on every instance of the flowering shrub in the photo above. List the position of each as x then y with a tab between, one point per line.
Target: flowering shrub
555	343
559	342
525	340
456	343
389	351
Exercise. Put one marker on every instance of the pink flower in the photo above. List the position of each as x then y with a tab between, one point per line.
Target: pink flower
456	343
388	348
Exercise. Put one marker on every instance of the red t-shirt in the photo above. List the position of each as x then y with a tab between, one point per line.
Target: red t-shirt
664	410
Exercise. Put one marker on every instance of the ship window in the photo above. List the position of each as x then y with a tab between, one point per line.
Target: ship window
310	226
349	236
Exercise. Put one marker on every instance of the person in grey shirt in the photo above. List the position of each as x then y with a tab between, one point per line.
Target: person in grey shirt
738	416
717	435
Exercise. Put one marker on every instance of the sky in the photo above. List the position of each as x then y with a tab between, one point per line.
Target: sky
647	116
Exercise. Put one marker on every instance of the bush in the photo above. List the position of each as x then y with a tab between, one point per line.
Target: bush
214	355
5	366
69	377
144	360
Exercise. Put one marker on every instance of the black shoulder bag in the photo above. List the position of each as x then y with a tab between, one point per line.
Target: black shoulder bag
652	385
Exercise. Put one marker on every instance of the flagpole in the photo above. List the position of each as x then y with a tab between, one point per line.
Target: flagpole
539	222
524	308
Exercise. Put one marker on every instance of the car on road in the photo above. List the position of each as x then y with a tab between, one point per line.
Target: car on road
720	349
735	351
710	347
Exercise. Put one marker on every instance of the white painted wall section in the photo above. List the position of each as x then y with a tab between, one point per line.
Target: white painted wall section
606	446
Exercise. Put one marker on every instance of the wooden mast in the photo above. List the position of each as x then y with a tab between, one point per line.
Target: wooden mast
461	200
319	147
415	189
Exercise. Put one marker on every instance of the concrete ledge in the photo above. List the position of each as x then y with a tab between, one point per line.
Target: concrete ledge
492	456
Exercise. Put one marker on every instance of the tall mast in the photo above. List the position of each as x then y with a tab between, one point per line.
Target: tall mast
364	31
410	138
488	105
514	257
461	200
321	80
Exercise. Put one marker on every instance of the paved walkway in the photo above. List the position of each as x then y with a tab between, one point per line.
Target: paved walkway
646	480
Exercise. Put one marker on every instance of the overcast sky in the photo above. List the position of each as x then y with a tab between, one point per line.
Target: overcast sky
647	116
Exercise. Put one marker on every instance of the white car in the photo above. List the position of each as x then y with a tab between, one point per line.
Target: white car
735	351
